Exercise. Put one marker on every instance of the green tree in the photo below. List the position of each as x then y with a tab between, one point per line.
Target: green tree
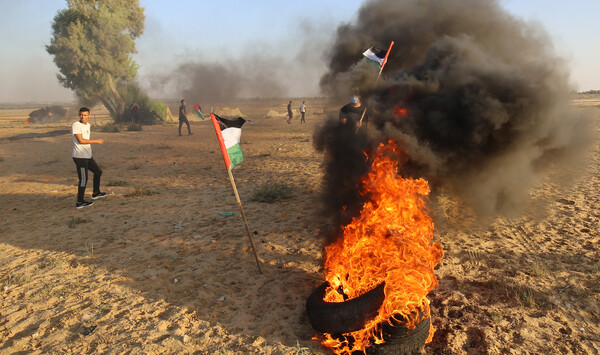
92	44
149	112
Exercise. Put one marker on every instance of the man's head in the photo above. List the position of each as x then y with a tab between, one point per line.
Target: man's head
183	101
355	100
84	115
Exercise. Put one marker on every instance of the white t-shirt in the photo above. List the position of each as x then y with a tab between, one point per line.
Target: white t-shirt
81	150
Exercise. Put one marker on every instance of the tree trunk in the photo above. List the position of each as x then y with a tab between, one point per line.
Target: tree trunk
114	103
119	103
109	106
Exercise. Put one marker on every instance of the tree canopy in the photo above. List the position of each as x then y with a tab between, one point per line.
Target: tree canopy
92	44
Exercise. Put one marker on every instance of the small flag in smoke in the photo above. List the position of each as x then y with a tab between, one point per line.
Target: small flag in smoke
375	55
197	110
378	55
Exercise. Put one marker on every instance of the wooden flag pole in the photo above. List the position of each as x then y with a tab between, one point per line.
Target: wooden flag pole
237	197
365	110
376	80
228	166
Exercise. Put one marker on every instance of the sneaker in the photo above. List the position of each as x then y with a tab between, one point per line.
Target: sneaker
80	205
98	195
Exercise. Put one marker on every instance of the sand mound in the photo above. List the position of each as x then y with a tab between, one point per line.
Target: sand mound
275	114
194	118
229	112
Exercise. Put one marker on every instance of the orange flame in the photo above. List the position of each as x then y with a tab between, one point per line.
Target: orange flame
391	241
400	112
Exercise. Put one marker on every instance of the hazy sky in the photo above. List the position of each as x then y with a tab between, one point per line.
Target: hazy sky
180	31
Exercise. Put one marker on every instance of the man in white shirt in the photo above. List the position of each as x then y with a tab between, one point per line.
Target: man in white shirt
82	156
303	111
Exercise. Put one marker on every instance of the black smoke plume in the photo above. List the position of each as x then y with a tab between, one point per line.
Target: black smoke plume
486	100
214	82
48	114
287	68
345	162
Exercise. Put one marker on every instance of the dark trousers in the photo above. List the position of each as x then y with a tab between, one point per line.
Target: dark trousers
302	119
181	121
83	165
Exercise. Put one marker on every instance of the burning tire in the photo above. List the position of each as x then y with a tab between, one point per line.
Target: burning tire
401	340
337	318
343	317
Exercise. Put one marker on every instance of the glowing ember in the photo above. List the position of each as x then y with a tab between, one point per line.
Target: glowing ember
400	112
391	241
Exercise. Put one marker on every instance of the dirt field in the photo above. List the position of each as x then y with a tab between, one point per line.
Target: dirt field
155	269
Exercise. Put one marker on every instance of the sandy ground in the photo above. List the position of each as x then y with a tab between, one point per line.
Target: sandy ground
155	269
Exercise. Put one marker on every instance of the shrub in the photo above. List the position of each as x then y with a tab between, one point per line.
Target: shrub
271	192
595	92
110	127
134	127
148	112
141	191
525	295
77	220
117	183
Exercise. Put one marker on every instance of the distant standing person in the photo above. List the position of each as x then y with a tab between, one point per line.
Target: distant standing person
290	114
82	156
183	118
135	109
302	111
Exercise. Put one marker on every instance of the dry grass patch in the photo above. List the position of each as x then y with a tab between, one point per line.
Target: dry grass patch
109	127
134	127
526	296
73	222
141	191
271	192
117	183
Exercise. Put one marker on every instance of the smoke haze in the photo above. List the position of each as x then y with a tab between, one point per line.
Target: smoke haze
287	68
487	100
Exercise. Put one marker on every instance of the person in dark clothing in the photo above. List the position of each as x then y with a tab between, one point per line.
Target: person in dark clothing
290	114
351	113
183	118
344	162
135	110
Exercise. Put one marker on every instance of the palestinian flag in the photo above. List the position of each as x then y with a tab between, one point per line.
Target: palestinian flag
197	110
375	55
378	55
229	133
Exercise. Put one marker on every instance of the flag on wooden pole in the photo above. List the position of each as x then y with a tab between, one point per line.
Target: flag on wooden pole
378	55
229	133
